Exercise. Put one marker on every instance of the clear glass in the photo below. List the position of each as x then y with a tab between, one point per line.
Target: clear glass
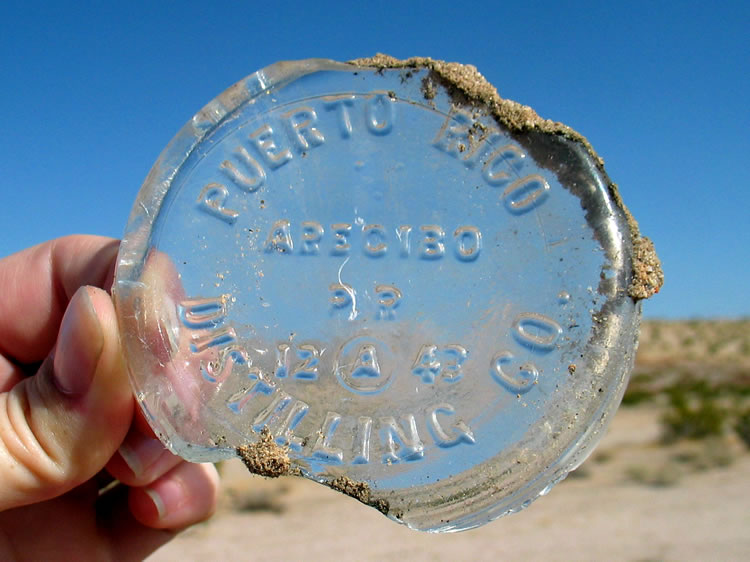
411	299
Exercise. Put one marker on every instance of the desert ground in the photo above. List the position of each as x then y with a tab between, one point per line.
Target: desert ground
670	481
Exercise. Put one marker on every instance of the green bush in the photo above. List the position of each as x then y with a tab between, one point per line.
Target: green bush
698	418
742	426
636	396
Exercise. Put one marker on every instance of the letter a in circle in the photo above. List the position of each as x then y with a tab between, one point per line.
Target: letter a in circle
366	364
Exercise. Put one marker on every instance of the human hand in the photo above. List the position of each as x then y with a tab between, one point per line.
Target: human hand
66	411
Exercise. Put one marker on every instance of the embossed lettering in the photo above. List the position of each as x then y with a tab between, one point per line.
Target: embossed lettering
362	440
282	359
322	450
263	140
202	313
374	242
216	338
343	297
366	362
363	365
307	369
461	432
379	114
508	157
452	371
426	364
465	138
312	232
429	367
341	233
401	445
455	136
389	297
517	381
468	242
219	370
482	146
279	238
526	194
301	125
239	400
212	200
251	182
281	416
206	317
374	235
342	104
431	247
403	232
536	331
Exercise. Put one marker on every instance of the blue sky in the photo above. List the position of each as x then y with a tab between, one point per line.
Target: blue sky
91	93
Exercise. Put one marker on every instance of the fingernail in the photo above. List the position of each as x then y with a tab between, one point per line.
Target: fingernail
141	453
161	509
168	496
79	345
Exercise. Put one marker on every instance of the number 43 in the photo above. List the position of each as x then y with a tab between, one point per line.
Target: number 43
428	364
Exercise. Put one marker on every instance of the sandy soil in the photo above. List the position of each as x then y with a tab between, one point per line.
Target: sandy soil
635	499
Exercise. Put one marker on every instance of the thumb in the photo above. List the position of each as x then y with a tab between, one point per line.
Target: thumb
60	427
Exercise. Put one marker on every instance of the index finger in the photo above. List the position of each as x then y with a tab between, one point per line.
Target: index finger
37	284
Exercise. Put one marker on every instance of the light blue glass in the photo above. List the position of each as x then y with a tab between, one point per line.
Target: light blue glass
398	288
